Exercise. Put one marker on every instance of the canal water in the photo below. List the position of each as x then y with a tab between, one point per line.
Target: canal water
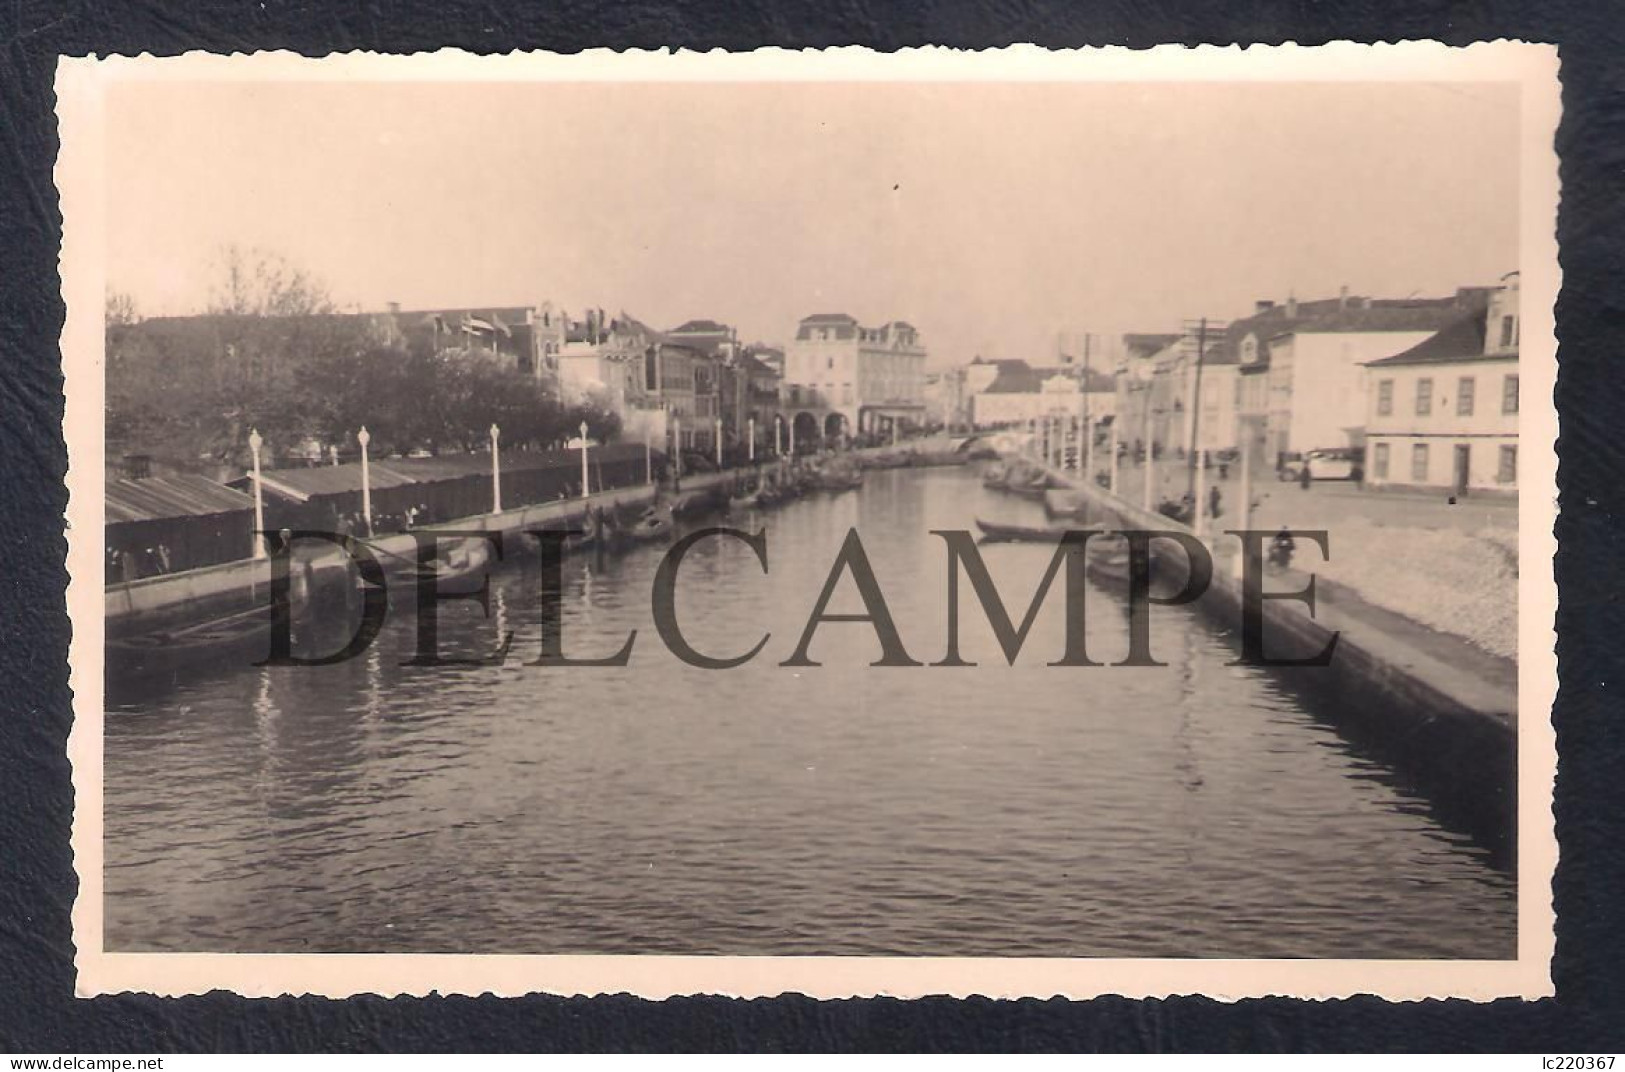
1196	809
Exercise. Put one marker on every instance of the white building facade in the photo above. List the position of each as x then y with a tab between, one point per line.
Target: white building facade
1443	415
871	377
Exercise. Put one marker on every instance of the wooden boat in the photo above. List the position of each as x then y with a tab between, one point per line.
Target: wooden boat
458	567
998	532
148	658
1065	502
654	525
747	501
1108	563
839	481
1031	488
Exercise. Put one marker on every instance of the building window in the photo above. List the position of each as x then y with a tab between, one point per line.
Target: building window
1464	397
1509	394
1424	397
1419	463
1507	471
1508	325
829	363
1379	461
1385	398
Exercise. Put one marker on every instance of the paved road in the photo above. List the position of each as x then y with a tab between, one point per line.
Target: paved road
1327	503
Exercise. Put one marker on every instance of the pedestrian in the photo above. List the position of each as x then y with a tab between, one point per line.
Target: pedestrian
1281	548
1213	498
1304	476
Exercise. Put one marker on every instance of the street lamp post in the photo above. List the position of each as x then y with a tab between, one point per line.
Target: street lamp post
1198	488
364	437
585	488
719	442
778	435
254	444
1112	483
676	446
496	471
648	458
753	440
1150	460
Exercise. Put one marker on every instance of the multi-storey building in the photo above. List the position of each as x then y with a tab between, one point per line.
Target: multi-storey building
1443	414
1020	393
1302	382
530	337
946	400
867	378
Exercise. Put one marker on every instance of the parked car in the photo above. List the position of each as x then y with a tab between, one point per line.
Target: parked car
1328	463
1289	465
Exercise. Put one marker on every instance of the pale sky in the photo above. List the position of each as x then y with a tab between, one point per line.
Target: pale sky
989	216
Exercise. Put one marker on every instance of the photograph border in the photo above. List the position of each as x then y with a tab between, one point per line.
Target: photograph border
80	176
36	796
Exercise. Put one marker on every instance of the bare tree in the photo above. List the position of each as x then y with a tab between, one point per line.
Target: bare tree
121	310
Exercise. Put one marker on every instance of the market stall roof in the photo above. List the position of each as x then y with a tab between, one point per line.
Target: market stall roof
304	484
162	497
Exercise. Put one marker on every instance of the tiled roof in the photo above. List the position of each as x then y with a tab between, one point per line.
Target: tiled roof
1426	315
1461	341
1015	377
749	363
828	318
159	497
701	327
1146	345
1018	377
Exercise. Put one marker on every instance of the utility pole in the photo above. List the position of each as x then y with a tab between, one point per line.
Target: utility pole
1196	403
1085	464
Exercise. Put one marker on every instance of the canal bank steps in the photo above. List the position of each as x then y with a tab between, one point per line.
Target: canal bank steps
1433	704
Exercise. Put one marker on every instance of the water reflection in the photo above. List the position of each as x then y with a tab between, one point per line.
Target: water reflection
1192	810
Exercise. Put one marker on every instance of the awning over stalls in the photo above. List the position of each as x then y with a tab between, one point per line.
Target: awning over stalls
162	498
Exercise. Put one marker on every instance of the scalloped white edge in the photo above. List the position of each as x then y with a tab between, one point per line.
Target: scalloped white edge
80	85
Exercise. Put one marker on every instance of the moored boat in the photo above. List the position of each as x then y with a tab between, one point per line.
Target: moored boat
654	525
999	532
150	657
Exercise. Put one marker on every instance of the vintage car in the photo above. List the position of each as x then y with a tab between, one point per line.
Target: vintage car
1327	463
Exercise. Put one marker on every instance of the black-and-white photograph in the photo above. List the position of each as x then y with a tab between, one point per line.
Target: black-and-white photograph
818	517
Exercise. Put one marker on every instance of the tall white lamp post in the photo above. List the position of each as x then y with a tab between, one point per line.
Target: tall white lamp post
254	444
364	437
753	440
677	446
778	436
584	479
648	458
719	442
496	471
